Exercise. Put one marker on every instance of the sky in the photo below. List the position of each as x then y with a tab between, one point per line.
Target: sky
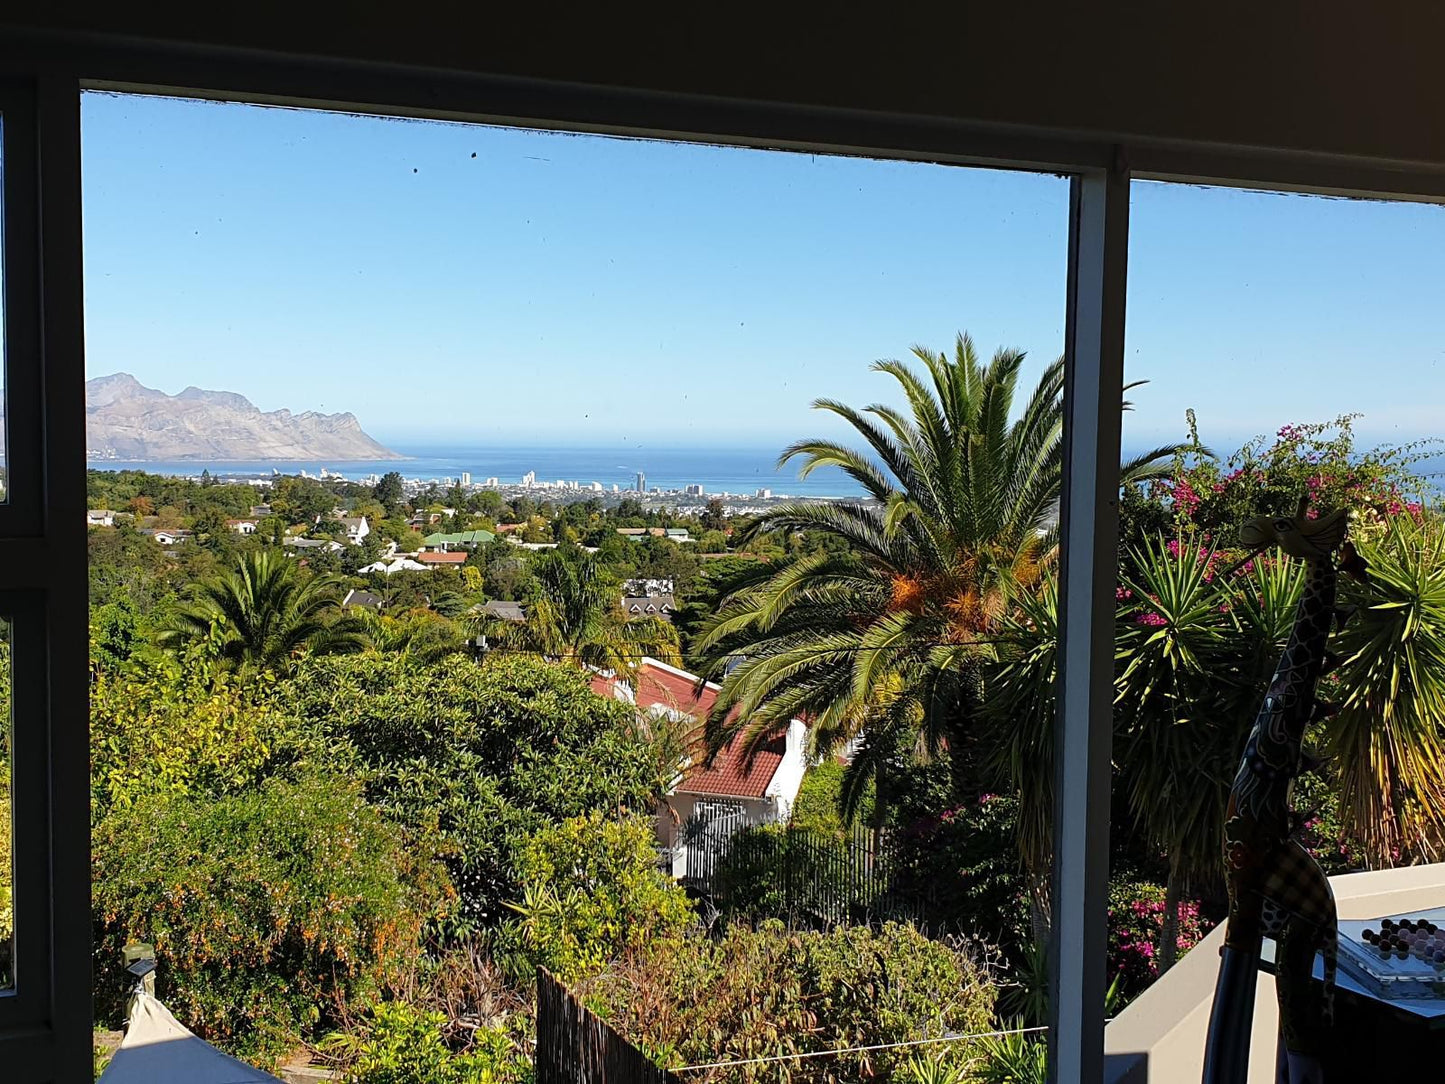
461	284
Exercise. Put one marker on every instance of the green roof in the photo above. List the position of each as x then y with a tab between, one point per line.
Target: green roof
460	538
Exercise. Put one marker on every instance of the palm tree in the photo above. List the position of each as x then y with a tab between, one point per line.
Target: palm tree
261	615
574	614
958	527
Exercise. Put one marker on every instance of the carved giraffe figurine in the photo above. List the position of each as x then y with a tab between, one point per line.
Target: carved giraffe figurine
1276	889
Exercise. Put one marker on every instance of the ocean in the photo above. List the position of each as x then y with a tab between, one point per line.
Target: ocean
739	471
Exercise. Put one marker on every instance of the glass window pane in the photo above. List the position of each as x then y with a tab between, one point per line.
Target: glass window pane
589	354
1292	342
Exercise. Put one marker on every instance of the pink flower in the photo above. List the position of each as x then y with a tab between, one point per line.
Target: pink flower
1122	594
1151	619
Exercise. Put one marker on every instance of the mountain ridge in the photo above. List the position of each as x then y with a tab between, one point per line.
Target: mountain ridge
126	420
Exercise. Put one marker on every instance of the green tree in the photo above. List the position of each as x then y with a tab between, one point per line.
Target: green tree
388	492
262	615
890	628
478	758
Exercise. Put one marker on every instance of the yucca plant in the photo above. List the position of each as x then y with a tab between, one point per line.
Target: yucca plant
1386	742
1177	730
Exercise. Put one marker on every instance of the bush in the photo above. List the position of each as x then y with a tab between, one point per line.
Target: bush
754	993
591	889
177	729
271	912
1136	922
485	755
402	1044
963	866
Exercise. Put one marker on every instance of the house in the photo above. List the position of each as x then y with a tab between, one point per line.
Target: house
356	528
243	526
100	517
662	585
431	559
329	545
364	600
636	533
394	564
505	611
468	540
678	534
260	511
736	789
166	537
649	605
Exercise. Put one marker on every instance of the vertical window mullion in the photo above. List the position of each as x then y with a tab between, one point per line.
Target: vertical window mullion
1089	523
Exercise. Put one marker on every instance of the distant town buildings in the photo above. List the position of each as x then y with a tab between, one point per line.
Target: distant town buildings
764	494
641	482
492	482
693	491
466	478
529	479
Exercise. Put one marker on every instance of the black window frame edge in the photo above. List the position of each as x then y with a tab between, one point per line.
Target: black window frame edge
58	68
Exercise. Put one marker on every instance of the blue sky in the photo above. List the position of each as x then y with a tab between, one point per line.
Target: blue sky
461	284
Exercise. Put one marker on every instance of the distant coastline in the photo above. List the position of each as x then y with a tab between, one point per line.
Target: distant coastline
734	471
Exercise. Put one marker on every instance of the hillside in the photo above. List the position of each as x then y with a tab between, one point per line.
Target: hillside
126	420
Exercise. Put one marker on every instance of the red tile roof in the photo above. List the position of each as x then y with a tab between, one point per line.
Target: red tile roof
732	773
454	558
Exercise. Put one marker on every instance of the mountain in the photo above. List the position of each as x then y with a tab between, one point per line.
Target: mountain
126	420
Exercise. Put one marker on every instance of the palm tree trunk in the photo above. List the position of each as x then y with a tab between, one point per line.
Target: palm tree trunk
1040	916
1169	936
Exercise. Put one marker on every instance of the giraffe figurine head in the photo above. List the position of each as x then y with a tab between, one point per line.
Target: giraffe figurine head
1306	539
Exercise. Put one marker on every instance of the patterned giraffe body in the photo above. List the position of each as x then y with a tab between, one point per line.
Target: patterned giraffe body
1275	888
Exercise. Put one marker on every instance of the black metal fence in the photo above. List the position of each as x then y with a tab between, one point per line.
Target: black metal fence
574	1046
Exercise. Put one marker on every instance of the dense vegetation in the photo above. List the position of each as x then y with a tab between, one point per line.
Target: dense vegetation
357	833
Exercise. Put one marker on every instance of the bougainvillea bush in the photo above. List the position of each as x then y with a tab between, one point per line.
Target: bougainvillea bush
1210	497
1136	920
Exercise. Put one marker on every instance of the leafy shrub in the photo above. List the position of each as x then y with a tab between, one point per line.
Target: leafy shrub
271	911
820	799
1136	923
484	754
963	867
402	1044
175	728
592	888
754	993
